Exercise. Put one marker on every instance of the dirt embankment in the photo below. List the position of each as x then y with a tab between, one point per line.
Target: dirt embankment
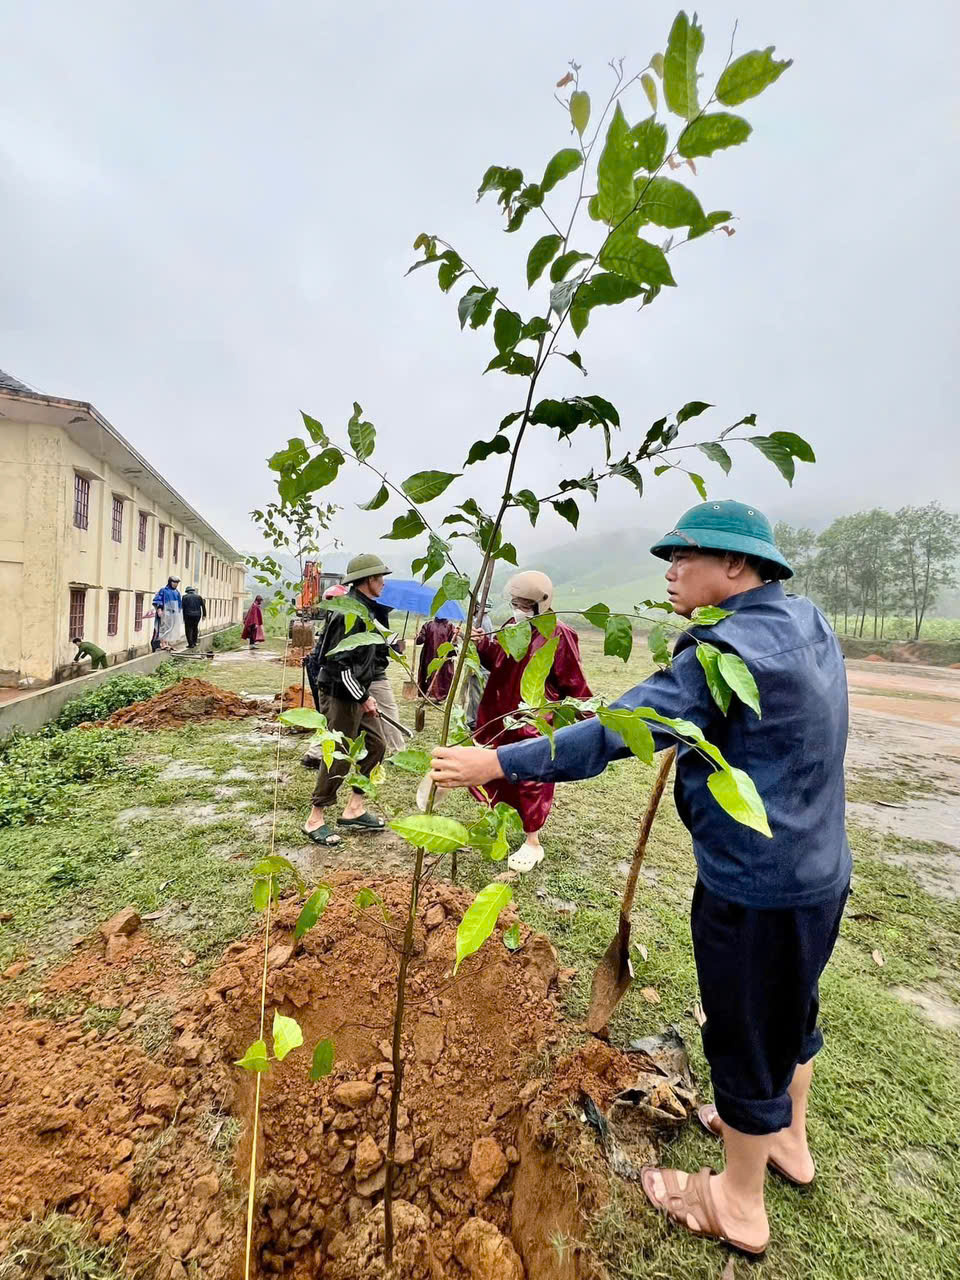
126	1139
187	701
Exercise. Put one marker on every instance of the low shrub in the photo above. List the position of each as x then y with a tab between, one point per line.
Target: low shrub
229	639
41	774
102	700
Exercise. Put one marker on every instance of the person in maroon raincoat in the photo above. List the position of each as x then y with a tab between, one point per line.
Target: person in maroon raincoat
253	623
432	635
531	594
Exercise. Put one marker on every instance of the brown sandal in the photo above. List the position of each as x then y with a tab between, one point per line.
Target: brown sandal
772	1164
695	1200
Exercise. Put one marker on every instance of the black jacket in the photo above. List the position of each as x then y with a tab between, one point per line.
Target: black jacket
193	605
349	675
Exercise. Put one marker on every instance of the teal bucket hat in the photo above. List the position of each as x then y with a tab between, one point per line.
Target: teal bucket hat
724	526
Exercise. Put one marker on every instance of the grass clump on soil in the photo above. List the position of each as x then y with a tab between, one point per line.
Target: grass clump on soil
101	701
223	641
42	775
58	1247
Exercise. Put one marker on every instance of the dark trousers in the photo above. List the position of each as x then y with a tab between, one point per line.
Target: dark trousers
349	719
759	972
192	628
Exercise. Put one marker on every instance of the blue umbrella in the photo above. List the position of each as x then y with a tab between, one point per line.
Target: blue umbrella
414	597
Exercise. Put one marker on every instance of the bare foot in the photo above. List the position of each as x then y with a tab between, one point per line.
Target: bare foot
792	1155
354	807
745	1223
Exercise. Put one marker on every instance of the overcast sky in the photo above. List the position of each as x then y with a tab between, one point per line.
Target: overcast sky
206	212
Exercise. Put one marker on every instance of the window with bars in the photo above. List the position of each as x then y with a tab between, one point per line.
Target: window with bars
176	547
116	525
81	501
142	532
161	538
138	611
78	600
113	612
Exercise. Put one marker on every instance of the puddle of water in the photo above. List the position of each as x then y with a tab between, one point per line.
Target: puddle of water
176	770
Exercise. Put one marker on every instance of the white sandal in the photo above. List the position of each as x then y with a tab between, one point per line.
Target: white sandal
525	859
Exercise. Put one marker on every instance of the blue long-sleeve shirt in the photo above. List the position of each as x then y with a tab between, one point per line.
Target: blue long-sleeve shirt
794	753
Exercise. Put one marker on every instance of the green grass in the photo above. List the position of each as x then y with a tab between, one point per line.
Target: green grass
886	1099
61	1248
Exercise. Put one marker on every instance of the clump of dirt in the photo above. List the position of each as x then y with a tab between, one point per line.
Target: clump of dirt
126	1140
295	696
186	701
294	656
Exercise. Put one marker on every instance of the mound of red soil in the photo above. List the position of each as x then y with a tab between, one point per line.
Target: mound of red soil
294	696
126	1140
187	701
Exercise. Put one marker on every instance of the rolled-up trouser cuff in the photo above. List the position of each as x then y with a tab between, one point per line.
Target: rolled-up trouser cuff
753	1115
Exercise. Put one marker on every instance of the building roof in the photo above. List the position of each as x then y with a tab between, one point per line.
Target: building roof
90	418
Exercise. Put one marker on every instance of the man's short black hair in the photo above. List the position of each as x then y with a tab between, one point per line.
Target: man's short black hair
767	570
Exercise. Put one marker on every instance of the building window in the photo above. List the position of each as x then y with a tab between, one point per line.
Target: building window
113	612
142	532
78	599
117	523
138	611
176	547
186	556
161	537
81	501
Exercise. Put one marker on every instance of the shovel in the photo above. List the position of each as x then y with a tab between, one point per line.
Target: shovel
614	973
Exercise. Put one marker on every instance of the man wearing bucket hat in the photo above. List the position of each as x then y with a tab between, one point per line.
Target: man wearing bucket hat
766	911
344	680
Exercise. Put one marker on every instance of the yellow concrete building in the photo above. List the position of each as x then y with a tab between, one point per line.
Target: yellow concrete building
88	533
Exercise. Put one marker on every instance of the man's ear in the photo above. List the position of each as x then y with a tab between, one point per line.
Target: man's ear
735	563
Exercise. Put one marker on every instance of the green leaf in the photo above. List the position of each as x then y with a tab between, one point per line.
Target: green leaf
649	140
617	637
597	615
499	178
749	75
534	678
314	429
637	260
262	890
377	501
506	551
480	450
542	252
705	615
303	718
322	1063
710	221
527	499
320	471
424	486
274	864
692	409
361	434
649	88
506	329
435	559
615	186
431	832
657	643
515	639
287	1036
467	303
294	455
740	679
684	47
796	444
313	909
607	290
697	481
580	110
255	1058
735	793
563	264
480	919
708	656
574	358
717	453
667	203
567	508
559	167
713	132
631	728
778	453
511	937
561	295
368	898
546	623
411	761
656	61
358	641
480	312
532	329
406	526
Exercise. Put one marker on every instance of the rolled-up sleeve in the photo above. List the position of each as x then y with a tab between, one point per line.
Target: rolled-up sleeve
583	750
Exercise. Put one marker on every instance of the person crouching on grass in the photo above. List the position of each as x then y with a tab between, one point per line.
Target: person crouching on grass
344	681
766	911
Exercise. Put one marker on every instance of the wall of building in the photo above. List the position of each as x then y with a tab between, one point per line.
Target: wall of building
44	554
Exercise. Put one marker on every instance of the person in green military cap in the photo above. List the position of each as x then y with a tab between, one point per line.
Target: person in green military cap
344	681
766	910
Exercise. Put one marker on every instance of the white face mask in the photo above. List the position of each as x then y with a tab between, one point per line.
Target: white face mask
523	613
